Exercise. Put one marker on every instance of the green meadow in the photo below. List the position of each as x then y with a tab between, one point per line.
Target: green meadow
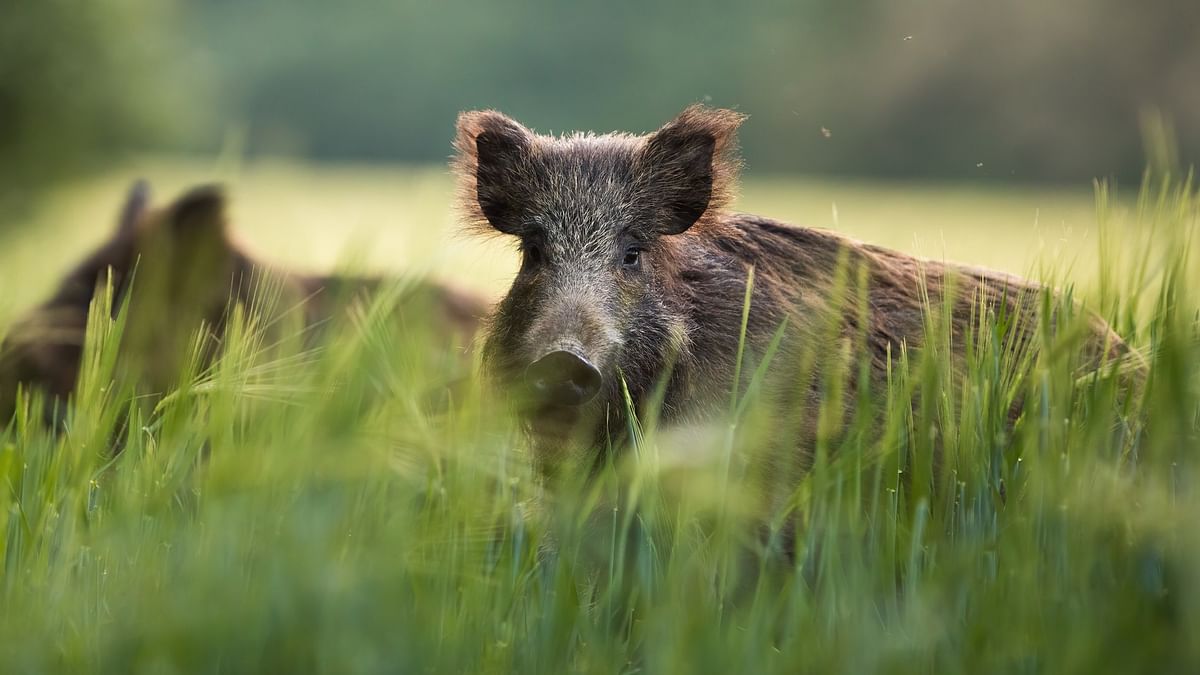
304	507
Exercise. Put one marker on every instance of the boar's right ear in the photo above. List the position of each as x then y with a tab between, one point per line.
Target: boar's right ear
493	155
199	214
688	168
136	202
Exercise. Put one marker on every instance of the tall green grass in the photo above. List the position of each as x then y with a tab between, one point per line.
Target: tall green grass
335	508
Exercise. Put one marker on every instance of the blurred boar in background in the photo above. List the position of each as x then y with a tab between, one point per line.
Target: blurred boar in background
190	276
634	277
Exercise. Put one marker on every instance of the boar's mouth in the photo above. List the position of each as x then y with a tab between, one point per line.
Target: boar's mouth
553	422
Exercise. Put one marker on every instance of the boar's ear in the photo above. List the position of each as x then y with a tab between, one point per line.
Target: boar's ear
201	208
493	156
136	201
196	220
183	240
689	167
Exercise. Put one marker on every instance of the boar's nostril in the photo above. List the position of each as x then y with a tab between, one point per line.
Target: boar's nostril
563	378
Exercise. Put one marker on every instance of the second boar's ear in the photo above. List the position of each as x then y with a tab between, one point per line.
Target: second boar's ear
186	236
136	202
493	154
197	218
199	208
688	168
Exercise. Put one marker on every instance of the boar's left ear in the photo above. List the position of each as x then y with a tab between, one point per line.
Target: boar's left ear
136	202
689	167
493	154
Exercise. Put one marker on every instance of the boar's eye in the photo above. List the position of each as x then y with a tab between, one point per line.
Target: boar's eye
533	254
633	257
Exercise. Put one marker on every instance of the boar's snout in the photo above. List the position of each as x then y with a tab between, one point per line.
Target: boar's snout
563	378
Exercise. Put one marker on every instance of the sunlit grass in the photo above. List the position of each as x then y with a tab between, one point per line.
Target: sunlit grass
306	508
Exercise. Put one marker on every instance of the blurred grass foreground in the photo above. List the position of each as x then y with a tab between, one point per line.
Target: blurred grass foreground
302	508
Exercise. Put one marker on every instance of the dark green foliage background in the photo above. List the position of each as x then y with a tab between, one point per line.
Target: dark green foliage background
920	88
82	83
1022	90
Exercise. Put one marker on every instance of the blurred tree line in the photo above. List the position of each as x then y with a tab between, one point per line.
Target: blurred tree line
1022	89
1027	89
81	83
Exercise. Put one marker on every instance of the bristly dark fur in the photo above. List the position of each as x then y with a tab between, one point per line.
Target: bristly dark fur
189	273
697	120
580	202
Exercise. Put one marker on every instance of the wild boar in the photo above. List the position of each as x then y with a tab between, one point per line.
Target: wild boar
189	276
633	281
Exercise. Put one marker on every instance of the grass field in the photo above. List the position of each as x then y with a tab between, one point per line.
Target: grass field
305	512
